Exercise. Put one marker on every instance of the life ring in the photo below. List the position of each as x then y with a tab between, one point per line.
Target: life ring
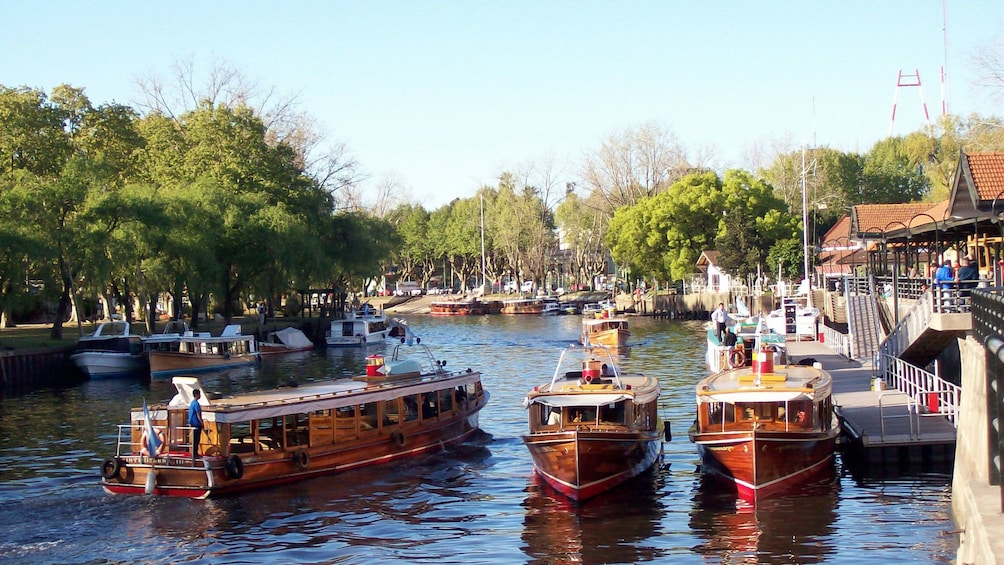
110	467
398	438
302	459
737	358
235	467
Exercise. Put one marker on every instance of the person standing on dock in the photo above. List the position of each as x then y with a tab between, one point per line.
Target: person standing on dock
720	318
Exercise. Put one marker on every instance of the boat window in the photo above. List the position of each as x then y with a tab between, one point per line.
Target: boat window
460	395
646	416
548	415
368	417
446	400
755	411
429	407
410	408
270	433
612	413
321	428
584	415
718	410
241	438
345	423
392	412
296	430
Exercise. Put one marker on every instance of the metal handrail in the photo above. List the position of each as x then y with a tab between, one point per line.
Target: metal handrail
911	413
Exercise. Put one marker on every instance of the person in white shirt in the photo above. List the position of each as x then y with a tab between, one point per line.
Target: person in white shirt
720	318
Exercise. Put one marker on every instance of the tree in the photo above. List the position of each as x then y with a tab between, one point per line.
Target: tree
634	164
754	221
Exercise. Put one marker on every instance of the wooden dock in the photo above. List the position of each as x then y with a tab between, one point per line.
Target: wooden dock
882	434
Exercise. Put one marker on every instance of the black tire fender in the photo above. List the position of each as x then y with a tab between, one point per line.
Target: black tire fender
235	467
302	459
110	468
398	438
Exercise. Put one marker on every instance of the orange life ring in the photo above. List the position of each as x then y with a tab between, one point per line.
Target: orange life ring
737	358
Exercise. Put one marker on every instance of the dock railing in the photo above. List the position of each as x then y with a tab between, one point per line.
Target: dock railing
928	392
838	342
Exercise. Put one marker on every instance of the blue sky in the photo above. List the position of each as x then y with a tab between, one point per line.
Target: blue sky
445	96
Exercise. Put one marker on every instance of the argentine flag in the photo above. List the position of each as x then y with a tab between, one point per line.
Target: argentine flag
152	441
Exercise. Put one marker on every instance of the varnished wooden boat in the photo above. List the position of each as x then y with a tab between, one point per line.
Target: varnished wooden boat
399	409
608	332
591	431
523	306
194	352
458	308
763	431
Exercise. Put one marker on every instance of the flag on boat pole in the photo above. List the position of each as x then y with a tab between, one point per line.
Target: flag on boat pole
152	441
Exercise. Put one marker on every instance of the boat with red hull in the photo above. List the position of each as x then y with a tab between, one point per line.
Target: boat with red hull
591	430
766	432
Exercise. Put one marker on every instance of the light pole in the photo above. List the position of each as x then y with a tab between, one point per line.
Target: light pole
999	220
937	259
895	269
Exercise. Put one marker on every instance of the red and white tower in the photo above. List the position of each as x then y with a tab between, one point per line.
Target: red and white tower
907	81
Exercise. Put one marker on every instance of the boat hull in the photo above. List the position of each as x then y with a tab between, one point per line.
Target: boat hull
176	475
357	341
584	464
457	309
762	464
108	364
168	363
617	338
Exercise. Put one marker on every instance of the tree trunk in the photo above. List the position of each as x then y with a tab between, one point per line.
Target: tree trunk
61	309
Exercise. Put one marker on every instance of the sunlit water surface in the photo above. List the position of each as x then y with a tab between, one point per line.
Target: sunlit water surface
475	503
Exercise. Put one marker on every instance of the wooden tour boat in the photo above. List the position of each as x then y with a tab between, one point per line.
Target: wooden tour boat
286	340
190	352
359	328
592	427
609	332
766	431
471	307
523	306
401	407
111	351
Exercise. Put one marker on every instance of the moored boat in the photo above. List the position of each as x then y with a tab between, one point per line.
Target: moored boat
765	431
193	352
609	332
592	427
111	351
359	328
523	306
286	340
402	407
471	307
599	309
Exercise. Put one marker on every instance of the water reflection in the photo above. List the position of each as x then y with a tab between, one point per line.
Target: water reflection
612	527
793	528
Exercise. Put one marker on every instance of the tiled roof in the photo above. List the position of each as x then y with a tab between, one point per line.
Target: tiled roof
874	219
987	171
840	229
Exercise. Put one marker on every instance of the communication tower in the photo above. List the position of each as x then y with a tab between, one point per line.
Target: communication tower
907	81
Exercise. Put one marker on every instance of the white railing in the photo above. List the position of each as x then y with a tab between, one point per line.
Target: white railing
838	342
925	389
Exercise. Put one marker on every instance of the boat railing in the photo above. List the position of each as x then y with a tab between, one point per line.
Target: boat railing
562	374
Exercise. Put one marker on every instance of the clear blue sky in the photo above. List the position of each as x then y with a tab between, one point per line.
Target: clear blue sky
446	95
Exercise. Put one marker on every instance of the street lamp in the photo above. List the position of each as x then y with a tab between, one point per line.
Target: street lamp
895	270
936	241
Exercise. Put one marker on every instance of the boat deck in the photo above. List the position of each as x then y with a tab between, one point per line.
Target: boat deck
879	422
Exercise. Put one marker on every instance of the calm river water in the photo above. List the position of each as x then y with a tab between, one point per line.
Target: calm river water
476	503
